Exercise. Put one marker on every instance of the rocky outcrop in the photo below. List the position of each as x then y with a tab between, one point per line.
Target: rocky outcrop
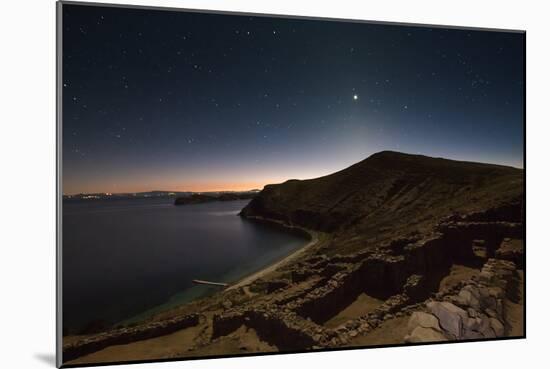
476	311
127	335
424	327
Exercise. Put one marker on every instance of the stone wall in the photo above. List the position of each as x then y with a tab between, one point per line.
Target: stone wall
284	329
512	249
275	325
408	278
461	235
127	335
226	323
403	272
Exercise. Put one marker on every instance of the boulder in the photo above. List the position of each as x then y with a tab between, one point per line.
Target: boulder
422	334
497	327
485	328
472	335
472	313
421	319
472	324
450	316
467	299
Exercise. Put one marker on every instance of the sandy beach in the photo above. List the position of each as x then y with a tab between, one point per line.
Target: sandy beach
314	239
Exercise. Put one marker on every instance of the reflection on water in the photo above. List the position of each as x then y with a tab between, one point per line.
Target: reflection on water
123	257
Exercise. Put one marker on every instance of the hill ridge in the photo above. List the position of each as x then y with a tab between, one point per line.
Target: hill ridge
388	189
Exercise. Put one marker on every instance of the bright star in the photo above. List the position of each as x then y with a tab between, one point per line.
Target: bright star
355	97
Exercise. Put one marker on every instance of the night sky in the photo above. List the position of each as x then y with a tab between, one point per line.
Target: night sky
161	100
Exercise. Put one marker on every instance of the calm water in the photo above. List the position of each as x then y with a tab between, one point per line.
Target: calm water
123	257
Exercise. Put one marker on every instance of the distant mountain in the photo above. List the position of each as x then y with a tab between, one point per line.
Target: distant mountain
124	195
389	190
198	198
220	195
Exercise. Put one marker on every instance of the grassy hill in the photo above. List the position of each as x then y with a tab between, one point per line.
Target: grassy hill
389	194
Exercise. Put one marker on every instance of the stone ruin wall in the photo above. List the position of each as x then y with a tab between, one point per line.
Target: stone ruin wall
410	271
128	335
477	311
404	273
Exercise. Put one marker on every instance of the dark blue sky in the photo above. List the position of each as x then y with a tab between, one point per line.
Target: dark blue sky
185	101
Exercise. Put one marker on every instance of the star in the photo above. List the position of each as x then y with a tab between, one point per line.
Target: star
355	97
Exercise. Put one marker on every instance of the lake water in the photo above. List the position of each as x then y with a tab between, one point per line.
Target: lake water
124	257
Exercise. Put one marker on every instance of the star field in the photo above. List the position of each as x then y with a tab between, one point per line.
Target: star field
186	101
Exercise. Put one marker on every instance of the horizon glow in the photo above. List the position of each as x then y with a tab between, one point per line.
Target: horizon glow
175	101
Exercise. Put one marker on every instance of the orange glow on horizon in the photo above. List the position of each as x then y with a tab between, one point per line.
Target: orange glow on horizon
227	186
191	187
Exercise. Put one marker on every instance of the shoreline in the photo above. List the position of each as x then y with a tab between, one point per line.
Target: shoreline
313	240
247	279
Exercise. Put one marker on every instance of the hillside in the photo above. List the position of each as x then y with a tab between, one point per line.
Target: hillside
404	249
389	193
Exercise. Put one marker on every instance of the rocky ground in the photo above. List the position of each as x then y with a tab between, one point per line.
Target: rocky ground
443	261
